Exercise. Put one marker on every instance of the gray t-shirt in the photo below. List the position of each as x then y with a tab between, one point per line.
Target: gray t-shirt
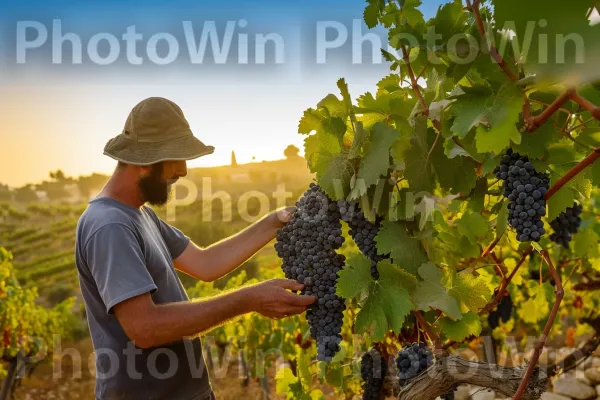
122	252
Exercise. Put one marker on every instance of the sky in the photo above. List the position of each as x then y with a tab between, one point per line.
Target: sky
242	71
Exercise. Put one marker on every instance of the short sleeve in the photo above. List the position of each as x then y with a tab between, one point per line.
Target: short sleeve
175	240
116	262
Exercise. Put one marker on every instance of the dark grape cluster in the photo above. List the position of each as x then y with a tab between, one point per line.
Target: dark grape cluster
566	224
525	188
412	360
363	232
502	312
307	246
373	370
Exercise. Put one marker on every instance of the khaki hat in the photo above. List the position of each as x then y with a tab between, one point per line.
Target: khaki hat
156	130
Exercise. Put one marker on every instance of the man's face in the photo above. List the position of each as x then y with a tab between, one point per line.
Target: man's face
155	185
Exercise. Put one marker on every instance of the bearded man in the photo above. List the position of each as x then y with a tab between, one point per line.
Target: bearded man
144	328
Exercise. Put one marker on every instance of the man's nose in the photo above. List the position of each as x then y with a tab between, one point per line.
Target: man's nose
182	170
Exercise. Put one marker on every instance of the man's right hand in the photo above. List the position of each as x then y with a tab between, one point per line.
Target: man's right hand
272	299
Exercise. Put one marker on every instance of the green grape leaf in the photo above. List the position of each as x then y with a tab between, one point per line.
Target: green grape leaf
502	219
371	318
375	163
450	19
418	168
586	244
473	294
536	308
452	150
473	226
470	110
469	325
388	299
566	26
311	121
346	100
285	378
334	106
431	293
457	175
559	202
326	157
534	144
370	15
596	173
406	252
360	137
503	114
355	277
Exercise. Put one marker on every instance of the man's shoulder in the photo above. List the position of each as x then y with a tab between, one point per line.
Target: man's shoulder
104	212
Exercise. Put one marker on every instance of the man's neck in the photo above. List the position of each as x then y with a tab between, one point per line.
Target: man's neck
122	187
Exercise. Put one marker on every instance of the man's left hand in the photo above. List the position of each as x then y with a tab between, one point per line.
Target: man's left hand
280	217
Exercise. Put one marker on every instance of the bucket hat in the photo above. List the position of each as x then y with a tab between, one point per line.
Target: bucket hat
156	130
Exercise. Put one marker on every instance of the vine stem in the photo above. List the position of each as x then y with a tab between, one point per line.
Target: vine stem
595	111
490	247
413	81
533	123
493	51
589	160
504	284
559	293
428	329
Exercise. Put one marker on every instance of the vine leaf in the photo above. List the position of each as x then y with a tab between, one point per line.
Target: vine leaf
502	219
469	325
471	293
535	308
502	114
586	244
418	172
473	226
329	160
457	174
355	278
450	292
560	201
534	144
431	293
376	161
387	300
406	252
470	110
596	173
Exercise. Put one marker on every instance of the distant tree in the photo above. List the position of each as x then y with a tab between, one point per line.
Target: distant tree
5	193
58	175
55	191
291	151
86	184
233	159
25	194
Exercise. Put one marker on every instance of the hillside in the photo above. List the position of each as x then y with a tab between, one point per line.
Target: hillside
41	234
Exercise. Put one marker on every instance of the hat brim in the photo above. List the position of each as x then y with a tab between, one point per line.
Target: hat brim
132	152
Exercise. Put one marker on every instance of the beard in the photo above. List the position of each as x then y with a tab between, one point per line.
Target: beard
154	189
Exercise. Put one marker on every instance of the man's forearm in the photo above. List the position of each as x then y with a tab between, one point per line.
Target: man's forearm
172	322
223	257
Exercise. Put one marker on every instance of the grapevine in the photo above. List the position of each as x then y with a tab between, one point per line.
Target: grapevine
27	328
